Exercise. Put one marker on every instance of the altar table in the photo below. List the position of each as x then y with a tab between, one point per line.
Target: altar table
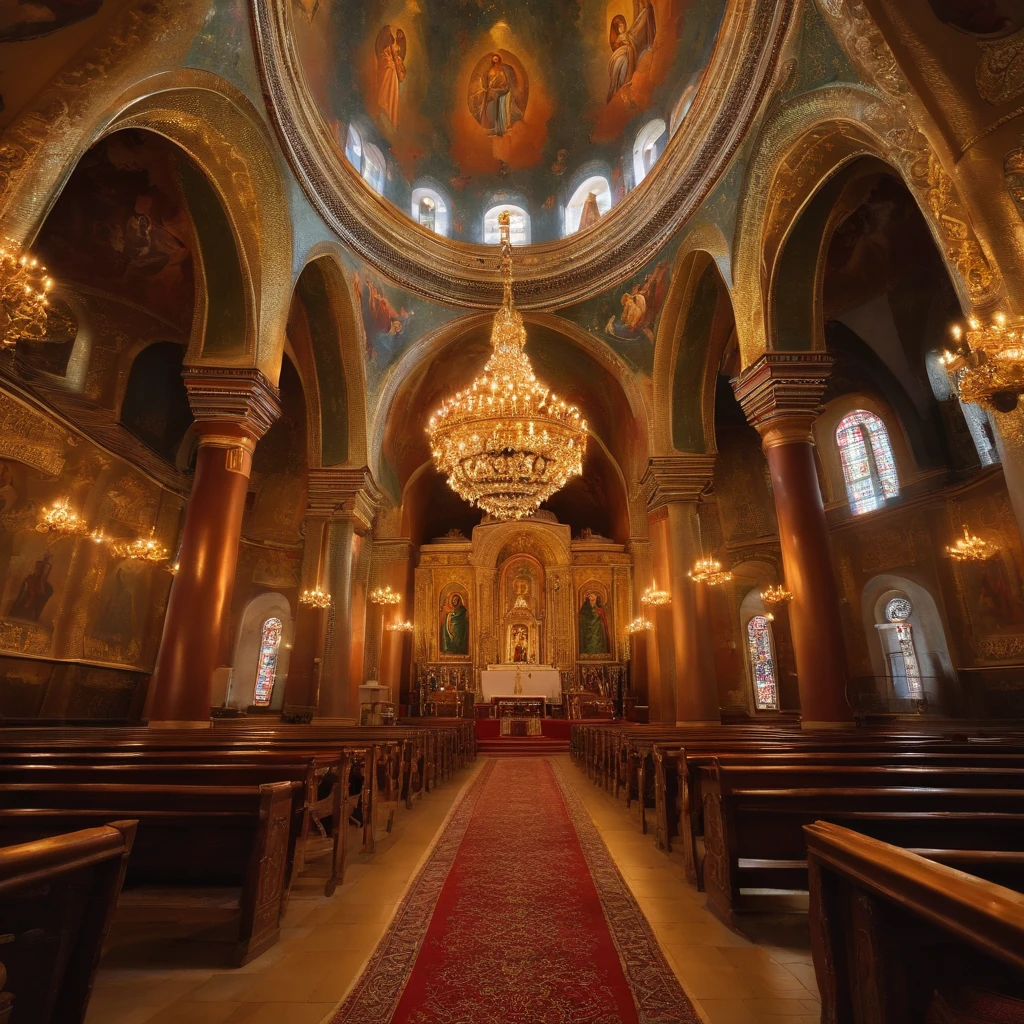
539	680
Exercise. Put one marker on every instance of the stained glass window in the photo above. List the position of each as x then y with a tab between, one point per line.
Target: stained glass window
898	612
869	468
266	670
762	663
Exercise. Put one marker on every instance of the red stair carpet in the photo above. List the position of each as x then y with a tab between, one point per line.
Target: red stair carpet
519	916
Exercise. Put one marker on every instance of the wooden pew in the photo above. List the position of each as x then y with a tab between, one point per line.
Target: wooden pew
898	939
754	835
242	837
57	899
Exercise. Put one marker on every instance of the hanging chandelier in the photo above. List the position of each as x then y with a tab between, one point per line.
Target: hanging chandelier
988	364
970	548
315	598
62	520
639	625
23	300
385	595
142	549
654	597
400	627
776	595
709	571
506	443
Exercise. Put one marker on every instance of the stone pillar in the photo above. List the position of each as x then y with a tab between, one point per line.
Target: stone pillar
233	408
348	500
673	485
302	689
781	396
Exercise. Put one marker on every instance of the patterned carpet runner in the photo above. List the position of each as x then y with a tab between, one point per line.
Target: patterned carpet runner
519	916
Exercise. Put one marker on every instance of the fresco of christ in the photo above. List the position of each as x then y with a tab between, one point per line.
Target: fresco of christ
497	98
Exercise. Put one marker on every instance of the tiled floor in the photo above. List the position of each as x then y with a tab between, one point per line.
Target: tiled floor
325	942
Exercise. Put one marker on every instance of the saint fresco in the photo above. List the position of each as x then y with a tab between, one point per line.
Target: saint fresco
595	639
455	627
629	43
391	50
498	92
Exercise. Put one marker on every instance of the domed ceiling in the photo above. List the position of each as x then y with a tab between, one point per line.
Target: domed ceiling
488	102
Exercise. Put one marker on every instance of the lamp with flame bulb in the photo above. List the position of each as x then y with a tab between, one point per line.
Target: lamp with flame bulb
62	520
141	549
24	285
776	594
639	625
710	572
987	364
315	598
654	597
970	548
400	627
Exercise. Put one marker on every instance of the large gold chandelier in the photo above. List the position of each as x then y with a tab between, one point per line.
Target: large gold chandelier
23	299
506	443
988	364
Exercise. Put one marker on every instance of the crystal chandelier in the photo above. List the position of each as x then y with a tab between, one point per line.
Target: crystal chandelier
988	364
23	302
776	595
385	595
639	625
315	598
506	443
709	571
142	549
399	627
62	520
970	548
654	597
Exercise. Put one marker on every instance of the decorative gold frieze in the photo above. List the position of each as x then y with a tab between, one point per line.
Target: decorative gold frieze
1000	72
30	437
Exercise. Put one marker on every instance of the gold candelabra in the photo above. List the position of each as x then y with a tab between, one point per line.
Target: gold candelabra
987	364
315	598
777	594
24	285
506	442
385	596
141	549
970	548
639	625
400	627
654	597
62	520
710	572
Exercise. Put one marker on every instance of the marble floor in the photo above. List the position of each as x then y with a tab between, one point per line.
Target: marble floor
763	977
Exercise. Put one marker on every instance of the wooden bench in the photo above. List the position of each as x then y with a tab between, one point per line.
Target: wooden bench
753	835
239	837
898	939
57	899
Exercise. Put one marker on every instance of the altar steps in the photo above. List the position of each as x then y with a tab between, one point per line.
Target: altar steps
521	746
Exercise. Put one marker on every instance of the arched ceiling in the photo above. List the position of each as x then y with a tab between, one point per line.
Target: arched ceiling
502	100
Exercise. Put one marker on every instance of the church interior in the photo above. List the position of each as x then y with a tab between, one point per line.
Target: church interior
511	511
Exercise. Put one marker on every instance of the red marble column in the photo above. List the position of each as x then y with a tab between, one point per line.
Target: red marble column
780	394
683	630
233	409
302	688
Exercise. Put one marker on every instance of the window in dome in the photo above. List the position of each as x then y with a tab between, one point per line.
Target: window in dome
266	669
869	468
354	148
649	145
429	210
762	663
589	203
519	225
374	168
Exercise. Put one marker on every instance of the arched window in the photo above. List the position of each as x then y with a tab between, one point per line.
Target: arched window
649	145
354	148
429	210
266	668
374	168
591	201
519	225
902	655
869	468
762	663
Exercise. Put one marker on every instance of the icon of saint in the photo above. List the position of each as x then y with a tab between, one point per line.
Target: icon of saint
391	48
497	97
455	627
594	633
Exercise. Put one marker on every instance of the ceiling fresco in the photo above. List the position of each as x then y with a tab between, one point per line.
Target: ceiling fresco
502	100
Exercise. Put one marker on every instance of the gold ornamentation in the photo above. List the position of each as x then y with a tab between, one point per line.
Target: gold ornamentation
28	436
24	637
141	549
24	284
507	443
971	548
1000	73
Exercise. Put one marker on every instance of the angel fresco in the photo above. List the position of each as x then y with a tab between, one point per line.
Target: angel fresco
390	48
498	93
628	44
381	320
640	307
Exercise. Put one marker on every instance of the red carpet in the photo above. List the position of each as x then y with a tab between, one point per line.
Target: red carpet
518	917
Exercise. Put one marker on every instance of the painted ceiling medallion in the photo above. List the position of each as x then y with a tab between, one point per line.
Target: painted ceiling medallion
507	443
526	100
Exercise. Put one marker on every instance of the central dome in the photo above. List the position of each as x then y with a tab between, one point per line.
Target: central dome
455	109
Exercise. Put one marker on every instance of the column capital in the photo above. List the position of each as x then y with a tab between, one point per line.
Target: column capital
344	494
672	478
780	394
235	400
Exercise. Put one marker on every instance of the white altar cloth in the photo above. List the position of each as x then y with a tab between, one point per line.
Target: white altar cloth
534	680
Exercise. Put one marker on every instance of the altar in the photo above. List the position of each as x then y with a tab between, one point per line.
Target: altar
510	680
